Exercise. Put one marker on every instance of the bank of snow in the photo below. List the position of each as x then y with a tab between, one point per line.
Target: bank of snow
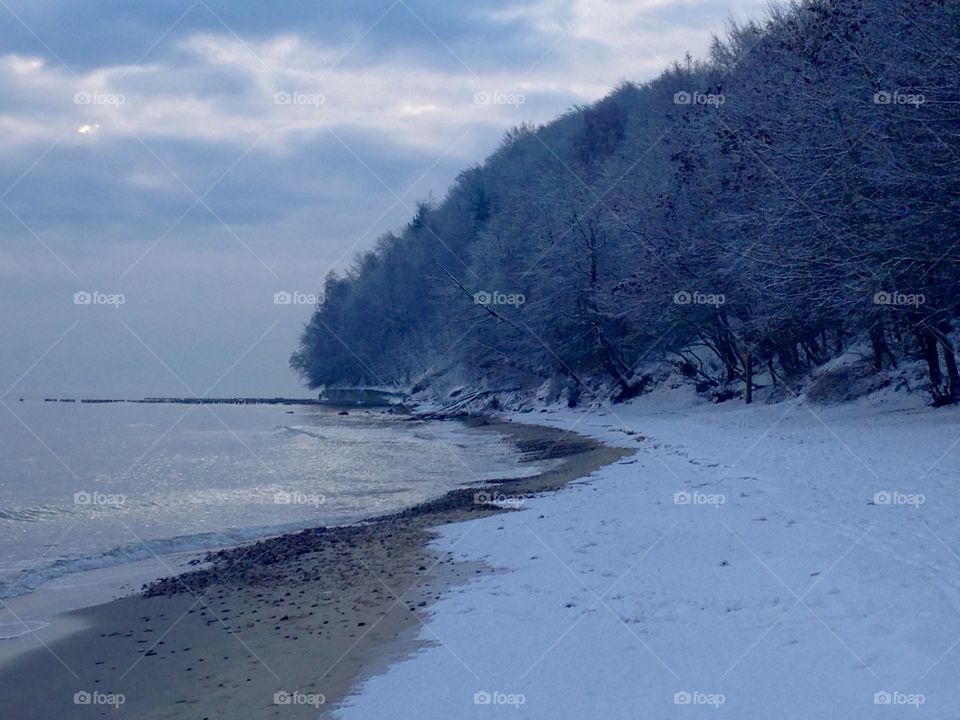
789	561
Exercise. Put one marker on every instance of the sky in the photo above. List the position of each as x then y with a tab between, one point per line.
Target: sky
177	177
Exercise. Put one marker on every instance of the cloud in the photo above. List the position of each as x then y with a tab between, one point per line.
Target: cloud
215	75
219	90
186	148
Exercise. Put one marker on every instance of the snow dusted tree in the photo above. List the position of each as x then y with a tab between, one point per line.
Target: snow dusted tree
796	191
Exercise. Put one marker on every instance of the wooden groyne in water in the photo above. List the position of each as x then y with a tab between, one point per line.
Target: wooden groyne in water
193	401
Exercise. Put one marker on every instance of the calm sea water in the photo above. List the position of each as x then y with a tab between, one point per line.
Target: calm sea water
94	486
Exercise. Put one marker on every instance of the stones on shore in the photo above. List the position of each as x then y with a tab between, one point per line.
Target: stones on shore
317	592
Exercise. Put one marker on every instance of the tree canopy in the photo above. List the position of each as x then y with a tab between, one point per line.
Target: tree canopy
793	192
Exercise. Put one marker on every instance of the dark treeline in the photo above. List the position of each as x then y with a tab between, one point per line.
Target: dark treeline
792	195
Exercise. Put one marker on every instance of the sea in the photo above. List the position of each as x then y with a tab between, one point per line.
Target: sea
97	498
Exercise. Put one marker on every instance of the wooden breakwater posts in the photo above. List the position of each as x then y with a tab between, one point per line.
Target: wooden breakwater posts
190	401
336	397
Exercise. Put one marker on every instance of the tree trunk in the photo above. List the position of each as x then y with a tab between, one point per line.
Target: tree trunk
748	378
931	353
878	341
949	361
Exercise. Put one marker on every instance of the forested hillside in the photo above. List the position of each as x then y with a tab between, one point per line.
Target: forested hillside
796	192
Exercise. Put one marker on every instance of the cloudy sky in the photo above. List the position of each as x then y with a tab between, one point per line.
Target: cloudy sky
167	167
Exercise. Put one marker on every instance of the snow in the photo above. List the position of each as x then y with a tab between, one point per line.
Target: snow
784	588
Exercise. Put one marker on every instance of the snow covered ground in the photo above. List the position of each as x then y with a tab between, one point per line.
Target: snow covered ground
782	561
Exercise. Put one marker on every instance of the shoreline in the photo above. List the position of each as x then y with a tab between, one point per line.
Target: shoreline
309	614
96	567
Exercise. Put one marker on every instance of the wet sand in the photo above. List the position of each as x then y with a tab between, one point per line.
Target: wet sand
282	628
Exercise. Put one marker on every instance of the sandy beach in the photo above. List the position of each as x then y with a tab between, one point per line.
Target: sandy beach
282	628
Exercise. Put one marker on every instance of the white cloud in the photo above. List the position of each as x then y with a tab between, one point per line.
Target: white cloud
221	88
105	204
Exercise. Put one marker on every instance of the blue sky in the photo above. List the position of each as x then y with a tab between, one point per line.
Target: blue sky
197	157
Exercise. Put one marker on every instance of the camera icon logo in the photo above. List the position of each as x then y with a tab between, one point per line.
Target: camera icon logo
82	298
682	298
282	298
82	698
682	98
482	698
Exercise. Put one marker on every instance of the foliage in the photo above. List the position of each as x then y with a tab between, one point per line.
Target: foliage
795	191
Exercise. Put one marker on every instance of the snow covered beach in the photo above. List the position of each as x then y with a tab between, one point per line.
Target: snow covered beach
284	627
789	560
